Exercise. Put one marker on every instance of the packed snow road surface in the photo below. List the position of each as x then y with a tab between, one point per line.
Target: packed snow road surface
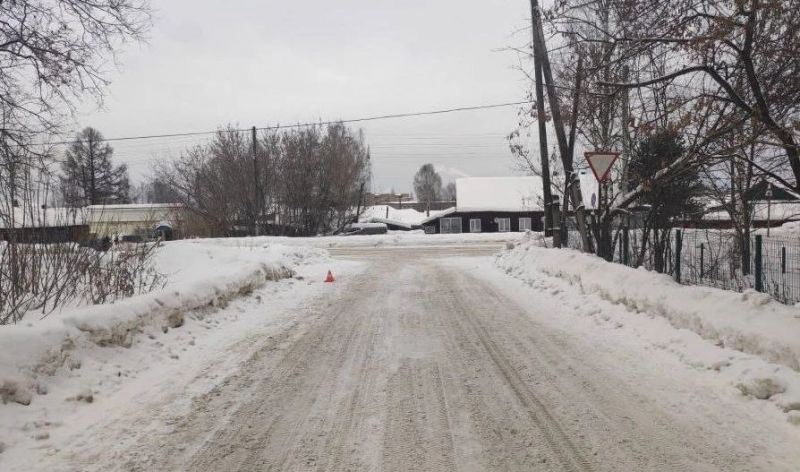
422	363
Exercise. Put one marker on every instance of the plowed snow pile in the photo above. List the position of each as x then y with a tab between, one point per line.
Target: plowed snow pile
199	274
748	336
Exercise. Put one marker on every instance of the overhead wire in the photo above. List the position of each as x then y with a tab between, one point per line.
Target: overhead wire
310	124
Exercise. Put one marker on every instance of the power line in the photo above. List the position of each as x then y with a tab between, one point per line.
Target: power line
310	124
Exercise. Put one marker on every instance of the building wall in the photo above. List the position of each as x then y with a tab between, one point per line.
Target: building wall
373	199
124	220
488	224
421	206
46	235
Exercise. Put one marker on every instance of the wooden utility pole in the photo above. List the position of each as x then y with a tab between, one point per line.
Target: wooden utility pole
92	176
544	153
360	199
540	55
626	135
576	101
256	184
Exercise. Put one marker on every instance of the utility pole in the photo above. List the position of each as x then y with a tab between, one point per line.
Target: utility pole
540	53
544	153
92	180
626	135
573	127
256	184
360	199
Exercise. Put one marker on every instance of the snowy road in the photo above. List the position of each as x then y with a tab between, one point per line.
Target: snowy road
420	363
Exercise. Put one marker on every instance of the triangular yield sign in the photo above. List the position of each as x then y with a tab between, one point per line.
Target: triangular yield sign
601	163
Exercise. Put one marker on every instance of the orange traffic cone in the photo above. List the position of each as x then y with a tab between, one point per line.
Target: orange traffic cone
329	279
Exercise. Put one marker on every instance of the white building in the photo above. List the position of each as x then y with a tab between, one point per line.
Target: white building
141	220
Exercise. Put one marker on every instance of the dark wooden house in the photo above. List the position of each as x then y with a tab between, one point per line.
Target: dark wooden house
491	205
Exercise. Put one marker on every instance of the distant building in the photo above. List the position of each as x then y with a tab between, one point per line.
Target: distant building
782	207
402	201
372	199
405	219
95	222
31	224
490	205
135	221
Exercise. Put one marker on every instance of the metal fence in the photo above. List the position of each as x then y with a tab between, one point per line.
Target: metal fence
715	258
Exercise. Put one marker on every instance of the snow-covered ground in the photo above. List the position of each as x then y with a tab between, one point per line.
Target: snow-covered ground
786	230
391	239
50	369
601	364
747	338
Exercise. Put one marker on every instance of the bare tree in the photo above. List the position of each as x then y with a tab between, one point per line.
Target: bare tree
310	181
156	190
703	69
449	192
53	52
736	58
427	185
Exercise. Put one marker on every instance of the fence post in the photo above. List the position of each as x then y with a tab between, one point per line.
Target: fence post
783	260
555	208
678	247
625	245
745	243
702	258
759	266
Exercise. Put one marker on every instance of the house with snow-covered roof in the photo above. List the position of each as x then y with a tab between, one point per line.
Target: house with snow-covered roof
490	205
136	221
30	223
771	204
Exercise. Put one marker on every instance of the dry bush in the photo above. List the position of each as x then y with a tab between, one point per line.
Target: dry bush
41	278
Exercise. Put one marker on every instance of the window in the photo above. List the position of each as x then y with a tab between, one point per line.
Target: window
450	225
503	224
525	224
475	225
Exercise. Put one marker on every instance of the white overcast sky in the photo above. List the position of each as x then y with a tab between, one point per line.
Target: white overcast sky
250	62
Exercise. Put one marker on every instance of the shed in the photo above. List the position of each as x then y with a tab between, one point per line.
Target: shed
142	220
29	224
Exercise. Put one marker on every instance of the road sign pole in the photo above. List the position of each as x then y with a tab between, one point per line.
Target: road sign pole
601	162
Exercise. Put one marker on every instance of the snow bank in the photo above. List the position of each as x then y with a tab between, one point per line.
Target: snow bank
761	333
749	322
199	275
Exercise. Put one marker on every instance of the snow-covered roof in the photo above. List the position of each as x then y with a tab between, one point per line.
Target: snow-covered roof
132	212
499	194
786	189
366	225
761	211
388	222
135	206
438	214
27	217
408	216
